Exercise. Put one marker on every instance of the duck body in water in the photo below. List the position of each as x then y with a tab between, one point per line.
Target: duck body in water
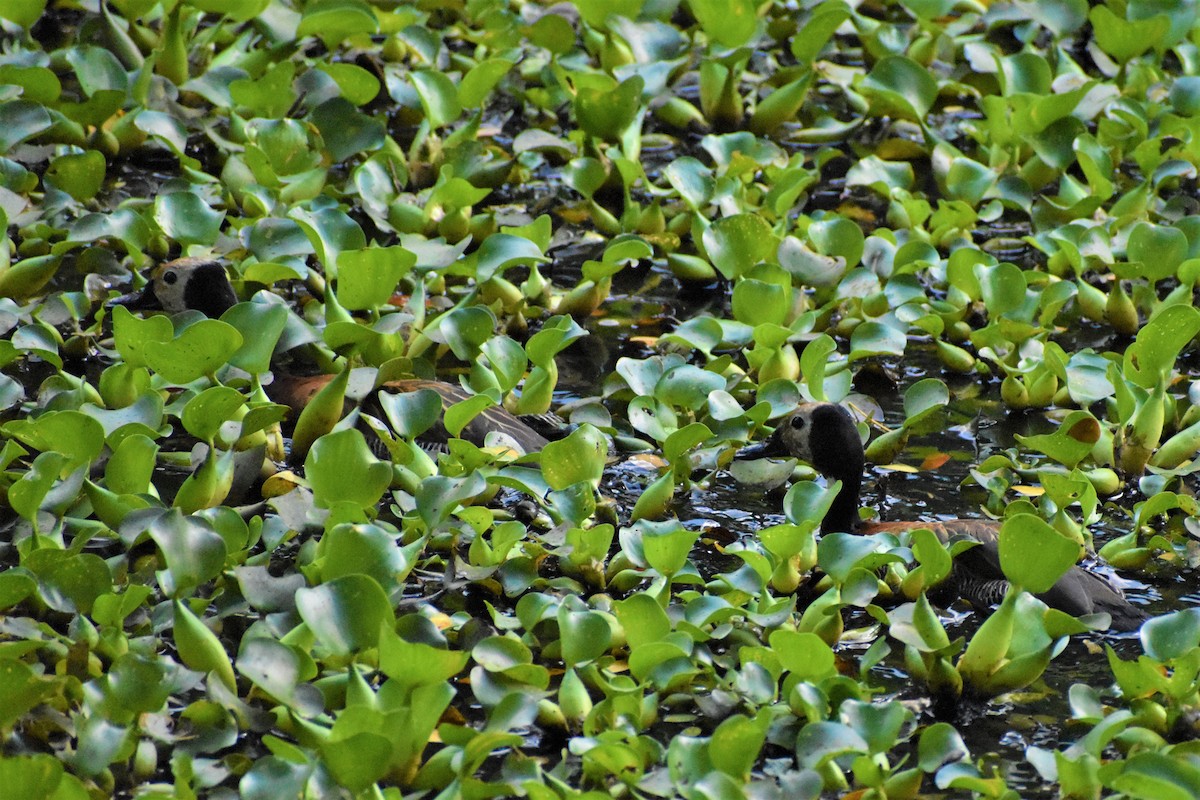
199	284
825	436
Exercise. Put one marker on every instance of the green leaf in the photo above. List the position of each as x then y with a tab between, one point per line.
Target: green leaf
1172	636
335	20
186	218
736	243
79	174
729	23
439	97
341	469
899	86
346	614
607	113
1034	555
580	457
367	278
200	350
21	120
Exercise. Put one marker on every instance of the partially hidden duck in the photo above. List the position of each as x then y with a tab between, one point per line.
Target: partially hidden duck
825	436
201	284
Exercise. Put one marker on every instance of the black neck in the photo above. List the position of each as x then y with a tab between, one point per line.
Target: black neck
843	513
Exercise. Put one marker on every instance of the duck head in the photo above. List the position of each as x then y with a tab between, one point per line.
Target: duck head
197	284
825	436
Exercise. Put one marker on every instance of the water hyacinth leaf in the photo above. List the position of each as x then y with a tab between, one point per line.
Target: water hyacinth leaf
367	278
335	20
1034	555
687	386
656	498
207	411
357	85
20	690
876	339
780	106
199	648
200	350
186	218
804	655
810	40
968	180
924	398
29	492
209	485
78	174
74	435
729	24
1153	353
680	441
736	243
21	120
666	545
346	614
643	619
459	415
28	277
439	495
839	553
14	587
500	251
194	553
366	549
418	664
507	360
899	86
411	413
756	302
737	742
1001	286
276	669
439	97
346	131
1157	776
261	325
940	744
585	636
320	414
271	94
1124	39
26	777
821	742
70	582
580	457
341	468
1171	636
879	724
1158	248
1071	442
164	127
481	79
329	230
555	335
607	112
807	502
810	267
358	760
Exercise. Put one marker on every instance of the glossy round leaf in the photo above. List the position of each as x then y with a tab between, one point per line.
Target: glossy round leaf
341	468
1033	554
345	614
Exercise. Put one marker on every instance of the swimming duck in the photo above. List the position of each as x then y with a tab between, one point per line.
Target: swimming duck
825	436
201	284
